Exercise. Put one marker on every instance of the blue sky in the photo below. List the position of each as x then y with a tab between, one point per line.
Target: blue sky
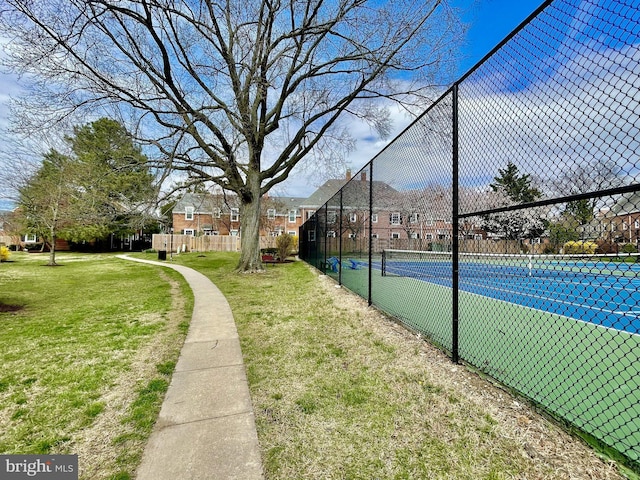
488	22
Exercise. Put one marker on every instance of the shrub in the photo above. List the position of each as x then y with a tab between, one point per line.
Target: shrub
605	246
629	248
284	243
4	254
570	247
590	247
580	247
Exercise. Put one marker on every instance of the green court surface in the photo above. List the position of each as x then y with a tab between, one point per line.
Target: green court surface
583	373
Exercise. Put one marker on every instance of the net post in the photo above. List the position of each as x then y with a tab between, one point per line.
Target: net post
455	267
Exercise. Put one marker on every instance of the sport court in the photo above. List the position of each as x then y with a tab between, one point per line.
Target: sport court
562	331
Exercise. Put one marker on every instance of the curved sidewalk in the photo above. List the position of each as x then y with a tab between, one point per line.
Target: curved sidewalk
206	427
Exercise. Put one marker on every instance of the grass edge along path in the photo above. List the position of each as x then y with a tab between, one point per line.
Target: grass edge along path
87	358
340	391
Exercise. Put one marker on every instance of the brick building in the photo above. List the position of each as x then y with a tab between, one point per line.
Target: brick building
218	214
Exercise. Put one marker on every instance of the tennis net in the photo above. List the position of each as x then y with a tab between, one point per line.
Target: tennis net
424	264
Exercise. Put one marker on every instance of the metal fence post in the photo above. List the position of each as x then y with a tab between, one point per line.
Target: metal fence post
340	241
455	229
370	298
326	224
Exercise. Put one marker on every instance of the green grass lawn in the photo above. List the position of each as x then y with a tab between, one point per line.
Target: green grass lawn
87	352
339	391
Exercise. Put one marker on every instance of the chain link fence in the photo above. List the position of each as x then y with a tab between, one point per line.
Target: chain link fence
504	223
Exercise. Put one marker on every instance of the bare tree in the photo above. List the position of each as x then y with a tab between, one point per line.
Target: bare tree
46	201
234	92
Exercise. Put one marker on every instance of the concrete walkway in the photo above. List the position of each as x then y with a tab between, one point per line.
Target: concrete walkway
206	428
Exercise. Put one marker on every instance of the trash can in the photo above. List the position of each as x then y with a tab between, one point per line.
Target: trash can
162	254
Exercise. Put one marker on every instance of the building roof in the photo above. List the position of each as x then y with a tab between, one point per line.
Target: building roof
356	193
196	200
288	203
327	190
627	204
205	202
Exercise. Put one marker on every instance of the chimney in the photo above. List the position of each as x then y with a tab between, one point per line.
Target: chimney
348	174
363	176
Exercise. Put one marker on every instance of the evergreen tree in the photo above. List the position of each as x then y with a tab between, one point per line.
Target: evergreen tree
516	187
510	188
114	175
103	186
581	210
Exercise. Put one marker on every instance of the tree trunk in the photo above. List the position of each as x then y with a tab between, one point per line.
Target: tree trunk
52	250
250	260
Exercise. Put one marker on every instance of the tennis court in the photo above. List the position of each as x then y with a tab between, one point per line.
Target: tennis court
600	289
565	336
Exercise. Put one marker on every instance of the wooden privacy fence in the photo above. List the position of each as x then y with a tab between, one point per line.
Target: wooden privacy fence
204	243
361	245
9	240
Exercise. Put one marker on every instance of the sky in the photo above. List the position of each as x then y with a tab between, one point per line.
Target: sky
488	22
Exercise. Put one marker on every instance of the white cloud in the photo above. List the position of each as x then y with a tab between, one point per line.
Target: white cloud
587	113
9	87
304	180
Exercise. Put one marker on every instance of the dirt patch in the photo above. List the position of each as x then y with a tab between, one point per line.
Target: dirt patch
539	438
4	307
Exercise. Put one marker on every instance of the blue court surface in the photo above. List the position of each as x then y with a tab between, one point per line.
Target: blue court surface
602	292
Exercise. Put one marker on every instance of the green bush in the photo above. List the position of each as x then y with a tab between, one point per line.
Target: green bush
629	248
